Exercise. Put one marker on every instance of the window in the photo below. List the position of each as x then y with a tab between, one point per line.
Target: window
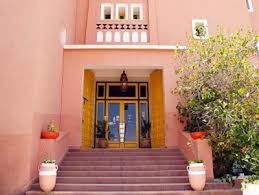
200	29
249	5
106	11
115	91
136	12
100	90
121	12
143	91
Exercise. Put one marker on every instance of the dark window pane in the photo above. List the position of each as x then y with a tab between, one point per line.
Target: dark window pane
100	91
143	91
115	91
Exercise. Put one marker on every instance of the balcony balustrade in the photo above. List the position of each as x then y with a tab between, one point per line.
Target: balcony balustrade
121	33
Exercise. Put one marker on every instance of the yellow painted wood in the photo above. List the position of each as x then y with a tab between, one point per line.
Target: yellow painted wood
88	110
157	109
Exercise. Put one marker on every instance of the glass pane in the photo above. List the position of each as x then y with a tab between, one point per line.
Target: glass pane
143	119
143	91
130	121
113	121
115	91
144	111
100	91
100	112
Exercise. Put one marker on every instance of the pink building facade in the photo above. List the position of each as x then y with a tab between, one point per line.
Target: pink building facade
47	47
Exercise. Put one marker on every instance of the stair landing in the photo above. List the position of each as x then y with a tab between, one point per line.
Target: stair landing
127	172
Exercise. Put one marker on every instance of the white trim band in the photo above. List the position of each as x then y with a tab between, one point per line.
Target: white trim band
47	173
138	47
196	172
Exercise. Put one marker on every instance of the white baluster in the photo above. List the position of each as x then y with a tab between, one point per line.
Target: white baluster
135	37
117	37
108	37
99	36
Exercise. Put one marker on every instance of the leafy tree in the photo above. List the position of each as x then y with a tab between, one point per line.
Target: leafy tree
219	86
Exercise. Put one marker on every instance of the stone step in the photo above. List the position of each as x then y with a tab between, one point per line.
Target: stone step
123	163
130	187
122	173
121	180
123	168
136	150
121	158
208	192
119	153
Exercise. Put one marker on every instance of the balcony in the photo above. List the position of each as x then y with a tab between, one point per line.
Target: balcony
122	33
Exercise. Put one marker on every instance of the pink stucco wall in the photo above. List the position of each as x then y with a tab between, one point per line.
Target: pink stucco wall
76	60
255	16
170	20
31	60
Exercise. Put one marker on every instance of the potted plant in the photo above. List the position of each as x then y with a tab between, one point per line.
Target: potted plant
47	175
145	141
196	123
197	174
101	133
250	185
51	132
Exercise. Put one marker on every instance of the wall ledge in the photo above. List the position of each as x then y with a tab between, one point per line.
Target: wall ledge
197	150
126	47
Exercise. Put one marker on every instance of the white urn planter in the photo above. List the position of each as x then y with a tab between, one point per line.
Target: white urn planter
47	175
251	189
197	175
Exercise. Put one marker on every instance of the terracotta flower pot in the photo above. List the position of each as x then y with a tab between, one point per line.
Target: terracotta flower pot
49	134
47	180
197	180
145	143
102	143
198	135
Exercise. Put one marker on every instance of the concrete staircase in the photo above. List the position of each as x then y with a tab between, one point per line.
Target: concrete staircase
135	171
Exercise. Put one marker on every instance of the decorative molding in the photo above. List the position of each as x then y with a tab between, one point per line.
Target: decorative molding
129	47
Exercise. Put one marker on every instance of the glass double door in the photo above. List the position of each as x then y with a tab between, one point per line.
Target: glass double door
122	117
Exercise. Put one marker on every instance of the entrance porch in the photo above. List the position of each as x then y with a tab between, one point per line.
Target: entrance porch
123	113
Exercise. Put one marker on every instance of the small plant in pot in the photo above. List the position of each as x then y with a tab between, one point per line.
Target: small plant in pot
196	124
101	133
51	132
197	174
47	175
145	141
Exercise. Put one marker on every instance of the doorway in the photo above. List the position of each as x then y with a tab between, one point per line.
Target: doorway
123	112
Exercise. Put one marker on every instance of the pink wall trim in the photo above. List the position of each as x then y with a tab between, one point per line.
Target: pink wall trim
197	150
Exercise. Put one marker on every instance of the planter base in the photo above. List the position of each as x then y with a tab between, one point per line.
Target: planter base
197	180
47	180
